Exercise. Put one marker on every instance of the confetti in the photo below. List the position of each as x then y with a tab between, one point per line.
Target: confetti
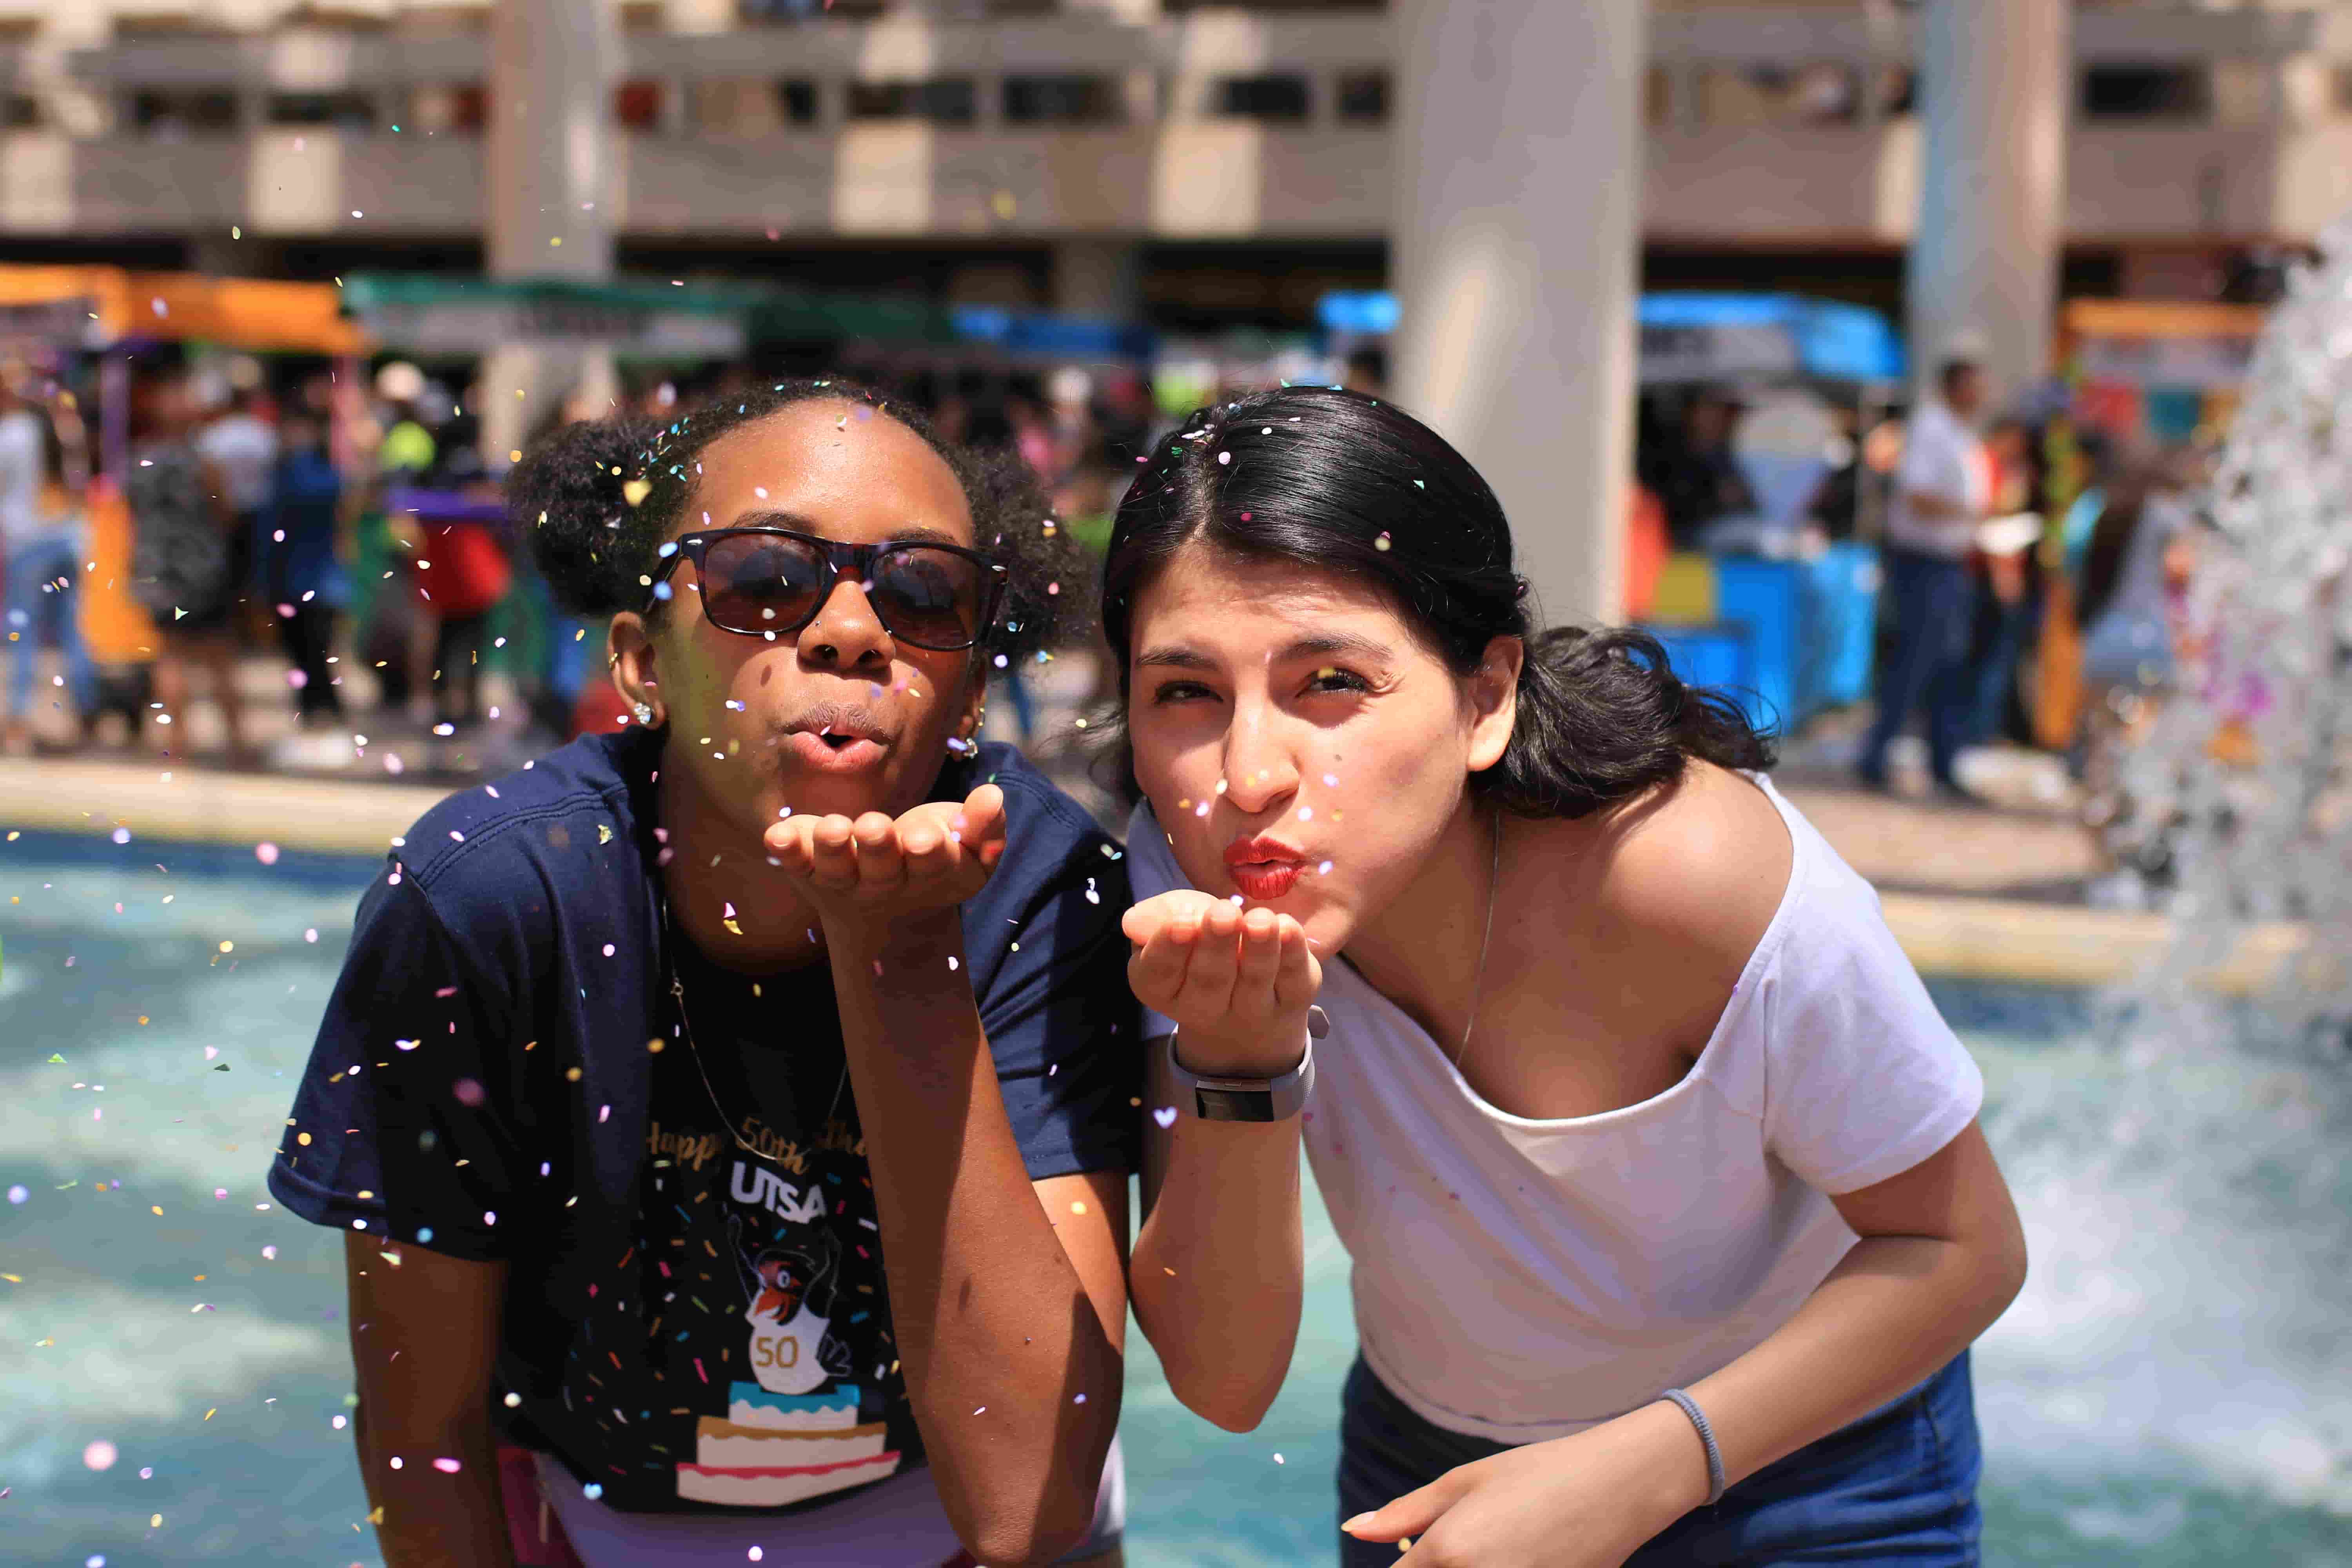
1166	1116
98	1455
266	853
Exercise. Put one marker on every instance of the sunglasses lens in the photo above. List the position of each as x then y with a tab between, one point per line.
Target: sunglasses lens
928	597
760	582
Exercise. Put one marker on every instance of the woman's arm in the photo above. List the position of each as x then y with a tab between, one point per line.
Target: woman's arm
1217	1277
1941	1255
1008	1297
424	1337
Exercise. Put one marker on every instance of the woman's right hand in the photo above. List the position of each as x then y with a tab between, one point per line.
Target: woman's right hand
1237	984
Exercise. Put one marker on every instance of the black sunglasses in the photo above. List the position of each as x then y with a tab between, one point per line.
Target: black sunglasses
763	582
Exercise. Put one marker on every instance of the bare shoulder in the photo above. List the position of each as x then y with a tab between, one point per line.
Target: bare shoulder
1703	863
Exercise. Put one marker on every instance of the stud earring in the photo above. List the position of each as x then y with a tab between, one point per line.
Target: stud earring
644	713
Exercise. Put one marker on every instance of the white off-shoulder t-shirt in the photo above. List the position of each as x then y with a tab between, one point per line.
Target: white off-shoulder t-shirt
1520	1279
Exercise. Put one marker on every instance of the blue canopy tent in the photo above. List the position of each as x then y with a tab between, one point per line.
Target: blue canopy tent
1709	337
1765	337
1787	638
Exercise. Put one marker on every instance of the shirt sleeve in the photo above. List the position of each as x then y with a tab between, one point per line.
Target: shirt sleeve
1151	871
406	1123
1863	1080
1061	1022
1934	462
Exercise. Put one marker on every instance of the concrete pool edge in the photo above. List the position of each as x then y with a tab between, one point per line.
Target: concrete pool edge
205	805
1957	936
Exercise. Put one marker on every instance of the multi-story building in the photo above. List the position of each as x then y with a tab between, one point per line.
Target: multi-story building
1195	163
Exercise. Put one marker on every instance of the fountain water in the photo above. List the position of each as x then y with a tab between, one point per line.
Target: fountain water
2184	1337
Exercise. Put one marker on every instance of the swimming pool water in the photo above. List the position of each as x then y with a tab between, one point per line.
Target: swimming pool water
2167	1392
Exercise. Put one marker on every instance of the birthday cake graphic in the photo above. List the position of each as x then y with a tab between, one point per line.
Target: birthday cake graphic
794	1434
774	1448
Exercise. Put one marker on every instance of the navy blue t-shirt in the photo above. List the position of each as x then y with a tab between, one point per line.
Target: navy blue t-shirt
695	1313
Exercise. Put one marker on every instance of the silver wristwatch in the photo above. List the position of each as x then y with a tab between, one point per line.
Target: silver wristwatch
1249	1099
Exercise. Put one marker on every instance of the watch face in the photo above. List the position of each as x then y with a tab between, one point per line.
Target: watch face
1232	1104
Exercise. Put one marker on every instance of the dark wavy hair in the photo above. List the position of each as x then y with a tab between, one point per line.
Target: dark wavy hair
1336	481
572	496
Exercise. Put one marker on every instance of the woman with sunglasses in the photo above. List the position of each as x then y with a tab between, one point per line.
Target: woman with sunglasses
1670	1219
729	1117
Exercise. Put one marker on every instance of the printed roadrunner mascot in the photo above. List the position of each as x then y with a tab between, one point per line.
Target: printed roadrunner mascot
791	1291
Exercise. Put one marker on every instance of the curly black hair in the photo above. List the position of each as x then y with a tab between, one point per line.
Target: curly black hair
598	498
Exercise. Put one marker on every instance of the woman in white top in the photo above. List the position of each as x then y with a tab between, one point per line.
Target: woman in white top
1670	1219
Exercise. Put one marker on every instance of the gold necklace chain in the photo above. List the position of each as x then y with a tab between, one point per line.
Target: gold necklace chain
686	1028
1478	980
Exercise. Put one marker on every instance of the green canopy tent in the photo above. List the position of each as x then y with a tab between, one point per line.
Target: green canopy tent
635	318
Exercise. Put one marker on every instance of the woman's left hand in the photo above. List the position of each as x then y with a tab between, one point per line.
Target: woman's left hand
872	871
1585	1501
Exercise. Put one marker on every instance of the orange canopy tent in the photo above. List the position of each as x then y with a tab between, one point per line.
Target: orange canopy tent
94	309
104	306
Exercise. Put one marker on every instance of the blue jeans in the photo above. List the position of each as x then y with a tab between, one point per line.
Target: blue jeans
1899	1486
1932	602
2013	627
39	610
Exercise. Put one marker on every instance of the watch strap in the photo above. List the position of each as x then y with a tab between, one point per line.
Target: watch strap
1211	1097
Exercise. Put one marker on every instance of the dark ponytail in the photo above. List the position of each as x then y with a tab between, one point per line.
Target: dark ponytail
1337	481
1603	717
598	498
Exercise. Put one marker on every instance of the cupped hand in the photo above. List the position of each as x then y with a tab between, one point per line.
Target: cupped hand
874	869
1591	1501
1237	984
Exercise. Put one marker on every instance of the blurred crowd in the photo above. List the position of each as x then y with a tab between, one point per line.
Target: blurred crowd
2033	567
363	547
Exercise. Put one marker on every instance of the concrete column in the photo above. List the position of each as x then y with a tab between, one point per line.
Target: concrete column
553	65
1520	174
1994	84
1100	277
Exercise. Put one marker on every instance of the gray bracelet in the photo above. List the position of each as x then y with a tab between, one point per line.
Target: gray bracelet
1705	1435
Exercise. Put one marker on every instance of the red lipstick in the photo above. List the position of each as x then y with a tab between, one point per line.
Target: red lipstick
1264	869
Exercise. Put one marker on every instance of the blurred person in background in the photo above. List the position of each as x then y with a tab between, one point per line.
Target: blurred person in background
462	570
301	579
1700	480
2009	609
243	447
41	532
1943	493
2135	572
408	446
188	561
1031	437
